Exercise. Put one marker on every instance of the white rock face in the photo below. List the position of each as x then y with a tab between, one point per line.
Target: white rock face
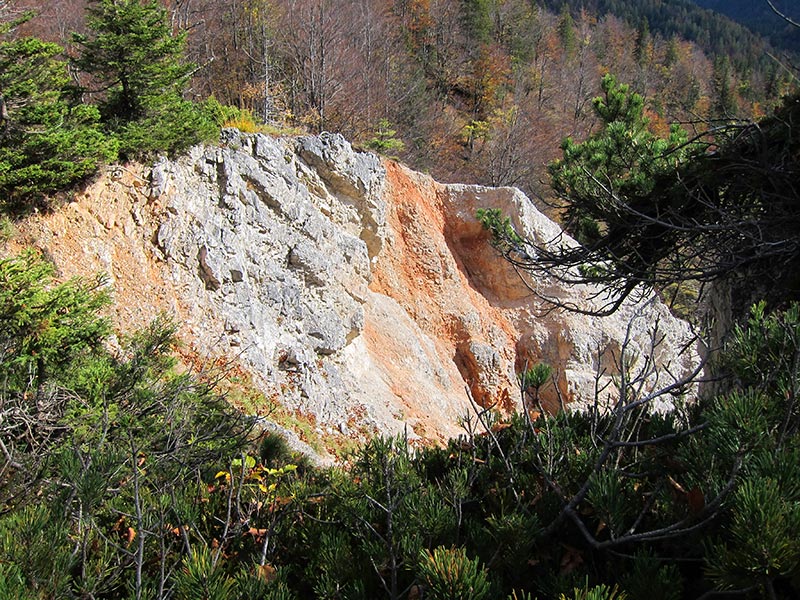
353	290
585	350
272	243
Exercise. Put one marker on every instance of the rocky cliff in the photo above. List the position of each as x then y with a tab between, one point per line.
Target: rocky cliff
354	291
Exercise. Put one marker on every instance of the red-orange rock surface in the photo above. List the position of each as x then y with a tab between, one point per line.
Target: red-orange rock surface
355	291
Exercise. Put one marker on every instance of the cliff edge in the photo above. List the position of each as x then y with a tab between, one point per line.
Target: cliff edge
351	290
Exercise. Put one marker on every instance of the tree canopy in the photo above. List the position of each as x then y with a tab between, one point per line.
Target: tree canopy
132	56
138	68
657	211
479	91
48	142
52	139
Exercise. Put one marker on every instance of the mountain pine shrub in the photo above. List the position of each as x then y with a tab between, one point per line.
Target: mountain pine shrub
450	575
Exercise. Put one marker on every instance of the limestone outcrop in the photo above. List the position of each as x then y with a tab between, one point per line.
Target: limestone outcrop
352	290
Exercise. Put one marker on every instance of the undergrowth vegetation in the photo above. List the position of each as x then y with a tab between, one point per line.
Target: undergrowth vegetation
122	478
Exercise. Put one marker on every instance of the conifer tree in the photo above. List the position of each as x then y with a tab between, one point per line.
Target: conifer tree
478	21
138	65
640	50
47	143
566	30
132	56
43	329
621	161
724	95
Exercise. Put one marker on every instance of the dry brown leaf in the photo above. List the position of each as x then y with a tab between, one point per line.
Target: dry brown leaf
696	500
571	560
266	573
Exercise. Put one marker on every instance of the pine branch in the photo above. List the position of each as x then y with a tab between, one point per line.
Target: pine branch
783	16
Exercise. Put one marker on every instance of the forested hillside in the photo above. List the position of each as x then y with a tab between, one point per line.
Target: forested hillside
714	33
759	17
474	91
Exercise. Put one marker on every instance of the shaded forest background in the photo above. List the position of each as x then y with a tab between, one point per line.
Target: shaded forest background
477	91
759	17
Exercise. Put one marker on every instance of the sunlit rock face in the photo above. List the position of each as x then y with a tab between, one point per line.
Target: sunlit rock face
357	293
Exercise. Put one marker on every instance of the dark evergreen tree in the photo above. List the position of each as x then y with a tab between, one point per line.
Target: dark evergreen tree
643	40
724	105
132	55
47	142
137	66
672	54
478	21
566	30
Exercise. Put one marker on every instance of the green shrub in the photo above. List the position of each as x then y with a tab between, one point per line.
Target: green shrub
44	326
12	583
274	450
535	377
384	140
172	126
600	592
201	578
37	553
450	575
761	544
